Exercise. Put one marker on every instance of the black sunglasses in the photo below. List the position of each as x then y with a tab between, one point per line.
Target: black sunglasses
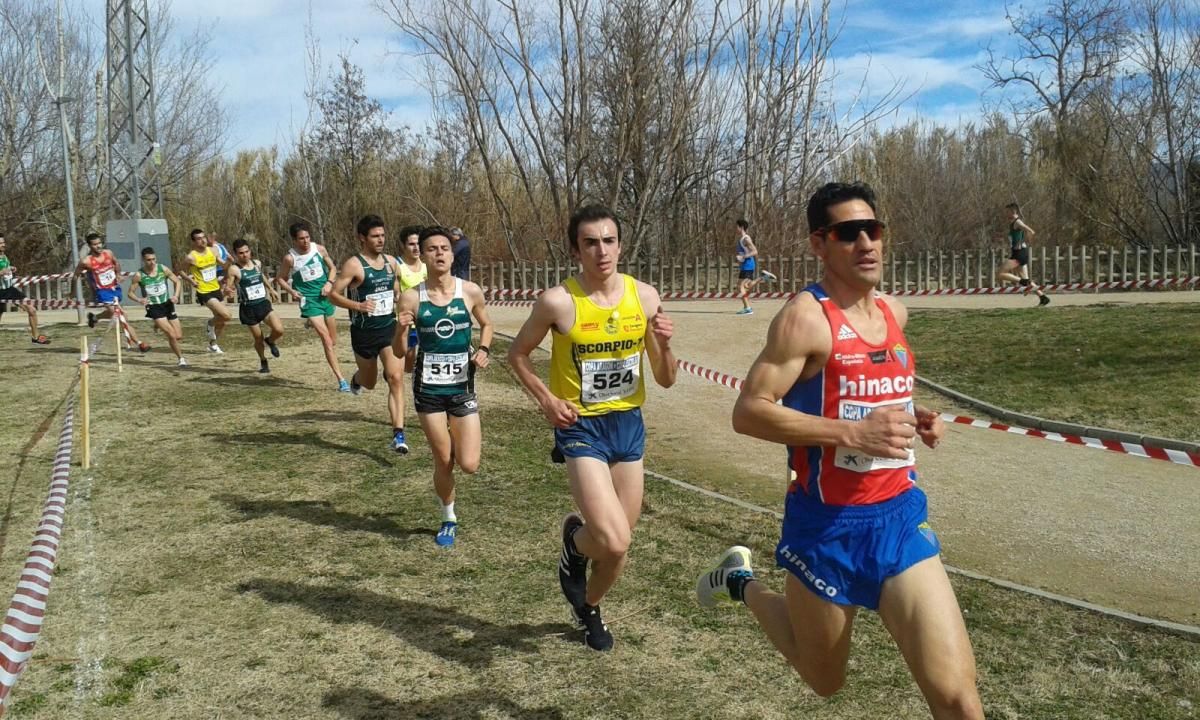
847	231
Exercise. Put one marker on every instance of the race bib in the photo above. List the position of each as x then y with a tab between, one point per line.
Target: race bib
256	292
856	460
311	271
106	276
385	302
605	380
156	289
444	368
209	273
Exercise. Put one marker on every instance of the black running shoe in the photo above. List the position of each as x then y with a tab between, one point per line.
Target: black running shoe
556	456
1043	300
273	348
263	367
595	632
572	567
91	320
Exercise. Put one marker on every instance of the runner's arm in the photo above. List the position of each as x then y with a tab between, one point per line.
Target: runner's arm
352	272
232	274
546	310
406	312
748	248
174	280
330	268
285	272
1029	232
930	427
134	286
184	273
659	329
479	309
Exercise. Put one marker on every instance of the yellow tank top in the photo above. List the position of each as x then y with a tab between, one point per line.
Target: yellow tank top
597	365
204	271
410	279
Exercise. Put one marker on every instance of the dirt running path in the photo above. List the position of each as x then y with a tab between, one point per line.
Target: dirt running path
1090	524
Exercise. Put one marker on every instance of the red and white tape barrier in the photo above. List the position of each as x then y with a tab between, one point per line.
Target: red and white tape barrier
23	621
1178	457
54	304
30	279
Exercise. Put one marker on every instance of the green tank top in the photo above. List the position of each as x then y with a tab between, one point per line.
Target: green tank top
251	288
308	272
155	287
380	286
443	364
1016	236
6	281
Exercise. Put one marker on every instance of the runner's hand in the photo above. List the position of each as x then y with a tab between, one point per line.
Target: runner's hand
930	427
326	288
481	358
887	432
560	413
662	326
406	318
367	307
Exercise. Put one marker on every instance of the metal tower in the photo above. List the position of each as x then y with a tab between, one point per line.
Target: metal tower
134	154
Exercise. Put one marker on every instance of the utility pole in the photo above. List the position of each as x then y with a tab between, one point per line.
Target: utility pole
134	153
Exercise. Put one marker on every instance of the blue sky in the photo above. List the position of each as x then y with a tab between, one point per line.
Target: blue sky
260	56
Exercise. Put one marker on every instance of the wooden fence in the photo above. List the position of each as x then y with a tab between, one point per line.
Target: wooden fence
915	271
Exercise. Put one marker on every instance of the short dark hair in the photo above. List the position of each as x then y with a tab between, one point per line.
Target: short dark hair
92	236
240	243
148	251
295	228
835	193
195	232
589	213
432	231
1013	206
410	230
367	223
743	223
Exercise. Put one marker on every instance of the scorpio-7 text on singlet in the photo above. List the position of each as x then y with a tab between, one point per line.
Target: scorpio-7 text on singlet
409	279
858	378
6	281
308	271
154	285
104	270
1016	236
252	290
443	364
597	364
378	285
204	271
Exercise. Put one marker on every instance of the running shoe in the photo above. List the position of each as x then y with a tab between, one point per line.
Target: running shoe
143	347
445	536
40	340
595	632
214	348
182	362
355	388
572	566
343	386
1043	300
769	276
263	367
745	311
91	319
398	443
211	331
712	586
556	456
273	348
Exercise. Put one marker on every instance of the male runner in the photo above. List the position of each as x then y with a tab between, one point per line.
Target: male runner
104	275
444	374
8	291
312	273
202	268
370	278
1019	235
159	298
746	254
412	273
224	260
254	296
855	532
601	321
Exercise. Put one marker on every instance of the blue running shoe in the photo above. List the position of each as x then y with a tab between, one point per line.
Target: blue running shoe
343	386
745	311
398	443
445	536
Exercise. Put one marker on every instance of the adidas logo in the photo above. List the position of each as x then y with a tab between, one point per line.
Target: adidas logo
427	314
845	333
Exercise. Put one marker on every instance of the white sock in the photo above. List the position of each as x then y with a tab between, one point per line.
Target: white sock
448	513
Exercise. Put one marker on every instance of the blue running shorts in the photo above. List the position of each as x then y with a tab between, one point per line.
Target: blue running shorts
844	553
108	296
614	437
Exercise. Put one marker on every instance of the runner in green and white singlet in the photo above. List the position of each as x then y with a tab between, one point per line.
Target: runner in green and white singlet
160	289
9	291
443	376
308	272
371	280
254	305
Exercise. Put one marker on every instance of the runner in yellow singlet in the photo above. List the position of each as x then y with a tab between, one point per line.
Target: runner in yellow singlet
201	268
601	322
412	273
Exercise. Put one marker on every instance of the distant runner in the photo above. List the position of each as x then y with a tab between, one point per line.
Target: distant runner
1019	235
8	291
746	254
159	288
308	272
104	275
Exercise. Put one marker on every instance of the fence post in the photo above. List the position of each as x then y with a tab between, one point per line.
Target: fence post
1137	265
1192	259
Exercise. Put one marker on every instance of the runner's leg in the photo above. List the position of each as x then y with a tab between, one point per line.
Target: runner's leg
610	501
393	374
328	342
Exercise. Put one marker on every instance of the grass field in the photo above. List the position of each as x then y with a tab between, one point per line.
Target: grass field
248	547
1129	367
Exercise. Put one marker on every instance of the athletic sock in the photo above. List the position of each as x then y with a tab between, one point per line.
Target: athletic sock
736	582
448	513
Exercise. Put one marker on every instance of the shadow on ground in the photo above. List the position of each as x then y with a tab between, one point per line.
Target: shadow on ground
436	629
364	704
320	512
309	439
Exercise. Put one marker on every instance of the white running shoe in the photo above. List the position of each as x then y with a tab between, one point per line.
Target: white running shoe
215	349
711	586
212	333
769	276
182	362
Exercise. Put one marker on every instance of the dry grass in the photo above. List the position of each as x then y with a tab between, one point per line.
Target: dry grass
250	548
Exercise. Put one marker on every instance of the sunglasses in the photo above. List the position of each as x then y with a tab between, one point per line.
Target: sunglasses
847	231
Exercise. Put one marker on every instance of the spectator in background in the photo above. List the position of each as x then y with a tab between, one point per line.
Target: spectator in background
461	247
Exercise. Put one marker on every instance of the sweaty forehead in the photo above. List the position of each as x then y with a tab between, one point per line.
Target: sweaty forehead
605	228
854	209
